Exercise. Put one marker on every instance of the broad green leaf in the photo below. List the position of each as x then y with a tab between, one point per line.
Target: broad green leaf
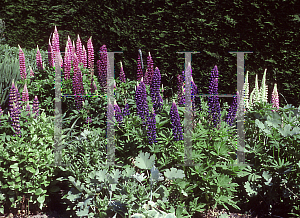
144	162
174	174
38	191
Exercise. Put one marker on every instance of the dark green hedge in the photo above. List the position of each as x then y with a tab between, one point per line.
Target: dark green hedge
269	29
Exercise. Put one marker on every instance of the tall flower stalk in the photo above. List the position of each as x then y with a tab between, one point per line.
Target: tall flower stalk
232	111
22	63
50	55
150	69
90	49
175	122
155	92
14	108
139	69
122	74
35	107
151	126
141	101
275	97
103	67
213	101
39	62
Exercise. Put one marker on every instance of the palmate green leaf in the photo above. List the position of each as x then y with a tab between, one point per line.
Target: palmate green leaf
144	162
174	174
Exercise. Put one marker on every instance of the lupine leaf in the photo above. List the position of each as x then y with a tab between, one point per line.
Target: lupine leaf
144	162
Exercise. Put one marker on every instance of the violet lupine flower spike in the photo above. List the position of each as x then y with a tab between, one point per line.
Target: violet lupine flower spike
50	55
155	92
39	59
22	63
118	112
139	69
90	49
35	107
232	111
141	101
175	121
122	74
126	110
151	126
213	101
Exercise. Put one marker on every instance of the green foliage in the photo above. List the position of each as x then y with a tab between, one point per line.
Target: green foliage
25	167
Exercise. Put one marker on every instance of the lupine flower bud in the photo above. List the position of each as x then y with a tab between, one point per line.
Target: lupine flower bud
213	101
22	63
275	97
25	95
88	120
35	107
39	59
122	74
31	72
50	55
175	121
139	69
151	126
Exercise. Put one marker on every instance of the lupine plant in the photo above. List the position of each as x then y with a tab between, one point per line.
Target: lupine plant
139	69
39	59
141	101
155	92
122	74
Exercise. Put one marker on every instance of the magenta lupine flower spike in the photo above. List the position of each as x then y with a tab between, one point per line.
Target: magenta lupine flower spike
90	49
35	107
275	97
213	101
25	96
31	72
150	68
70	49
22	63
139	69
50	55
118	112
103	66
39	59
55	43
84	59
79	49
122	74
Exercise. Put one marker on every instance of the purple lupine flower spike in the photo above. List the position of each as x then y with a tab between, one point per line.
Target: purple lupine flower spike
139	69
118	112
126	110
150	69
154	89
232	111
35	107
50	55
39	59
67	63
151	126
25	96
79	49
213	101
22	63
103	66
122	74
175	121
90	49
141	101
